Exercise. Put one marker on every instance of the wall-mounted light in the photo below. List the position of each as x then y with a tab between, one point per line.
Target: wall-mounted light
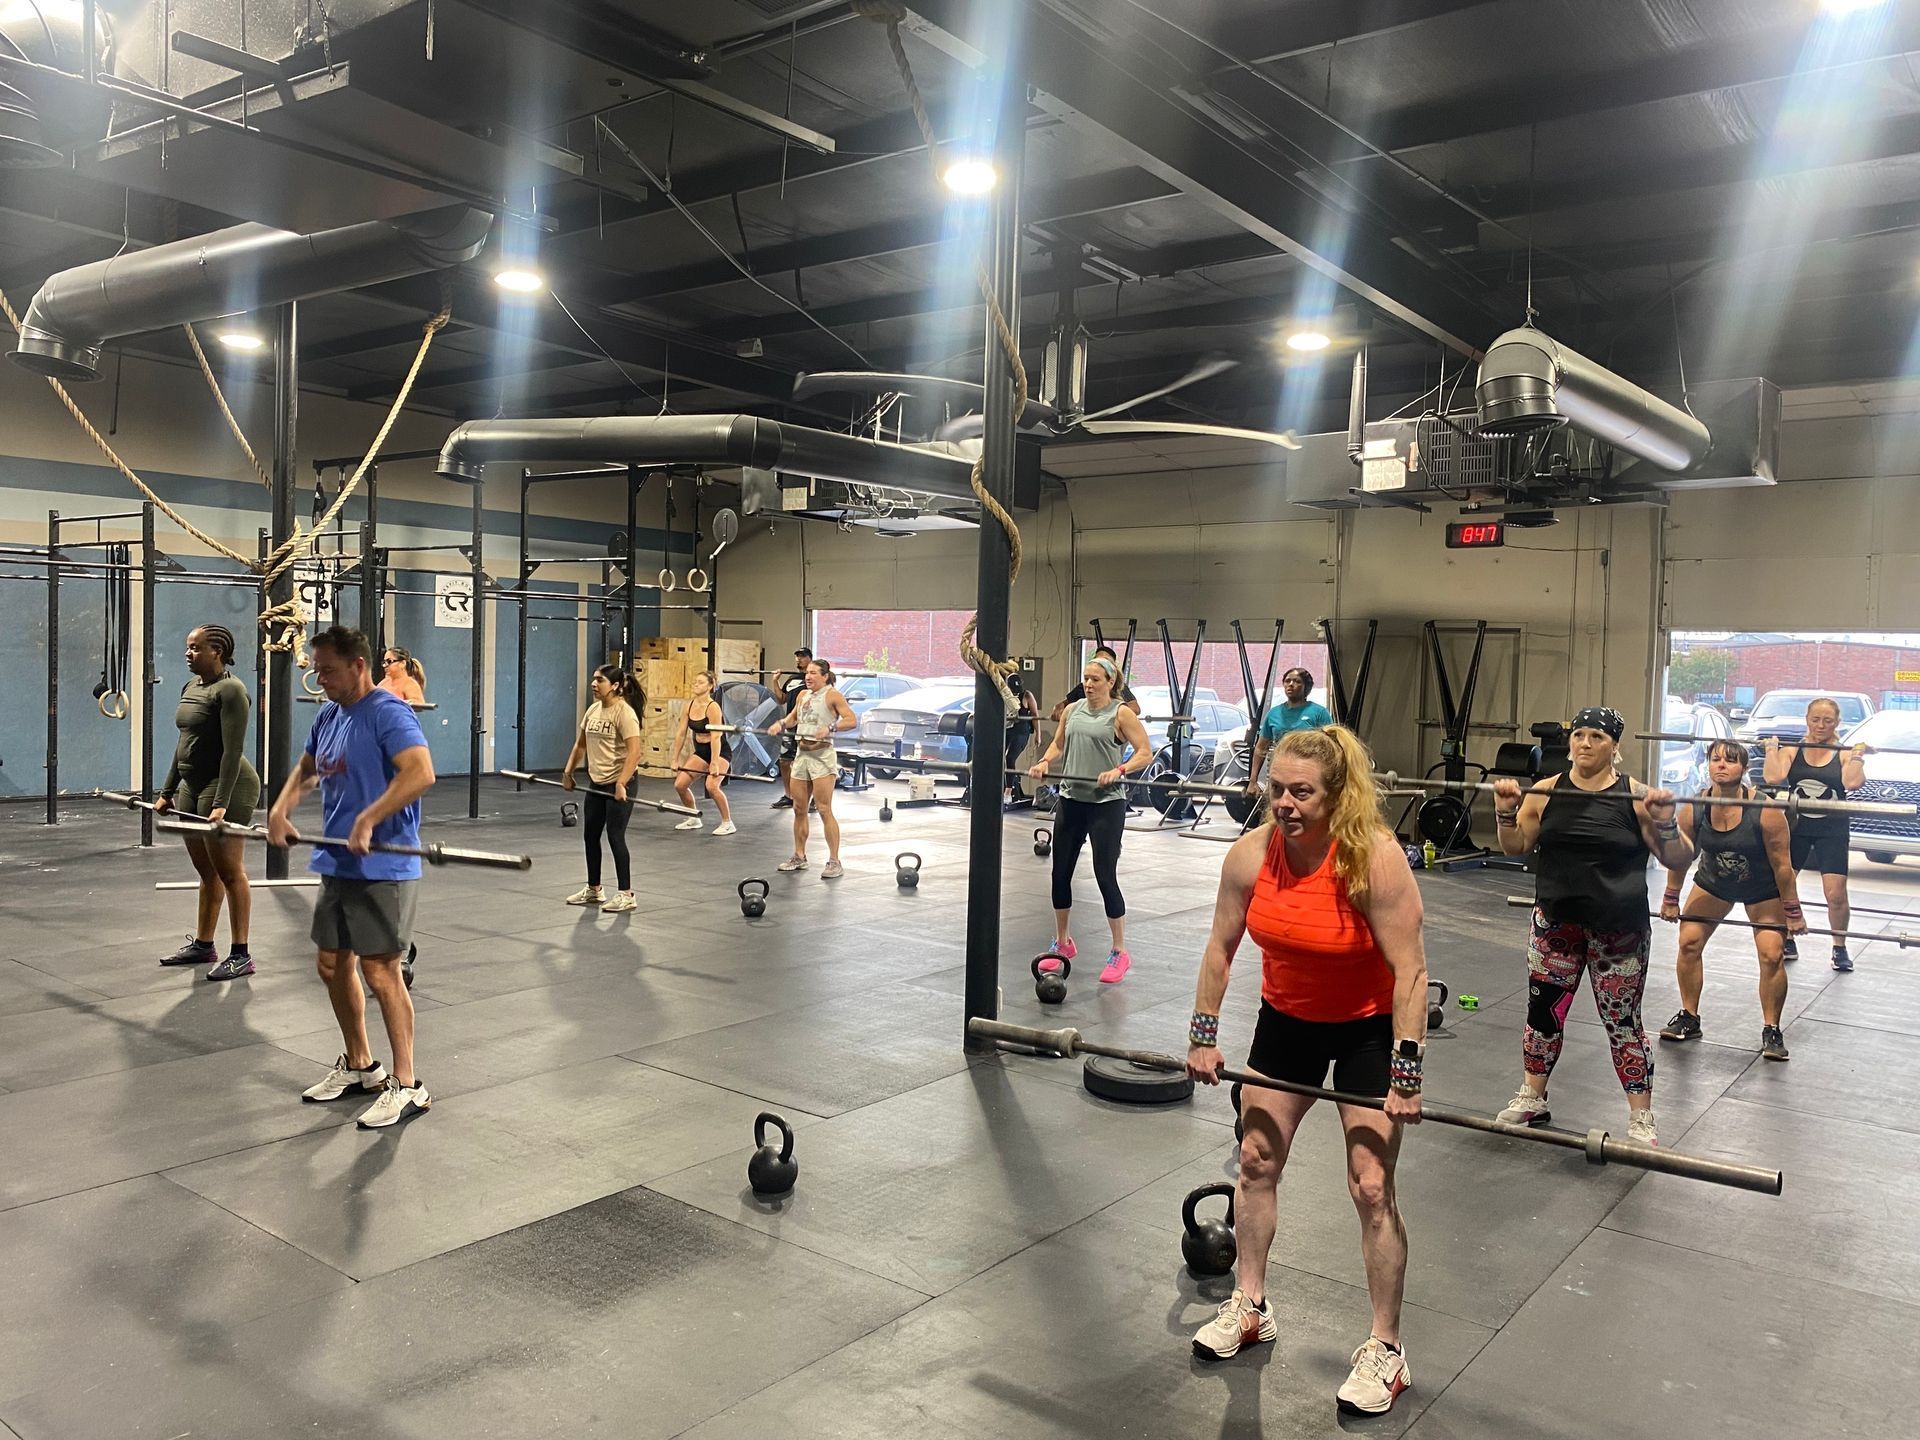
520	280
969	175
1308	340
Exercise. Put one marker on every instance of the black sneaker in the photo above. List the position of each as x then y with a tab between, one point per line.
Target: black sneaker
194	952
1789	951
1773	1045
1685	1025
1842	961
235	967
785	802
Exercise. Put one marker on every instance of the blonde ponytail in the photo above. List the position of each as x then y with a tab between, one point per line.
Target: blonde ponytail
1346	768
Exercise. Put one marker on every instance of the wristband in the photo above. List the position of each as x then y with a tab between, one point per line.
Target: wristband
1405	1075
1203	1031
1507	819
1794	911
1666	829
1672	897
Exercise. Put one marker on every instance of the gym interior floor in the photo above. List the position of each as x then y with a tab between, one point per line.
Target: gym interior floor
566	1246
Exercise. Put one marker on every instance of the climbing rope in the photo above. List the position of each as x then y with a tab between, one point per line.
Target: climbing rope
890	14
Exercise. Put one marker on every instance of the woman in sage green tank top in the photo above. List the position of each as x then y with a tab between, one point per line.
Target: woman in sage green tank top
1088	746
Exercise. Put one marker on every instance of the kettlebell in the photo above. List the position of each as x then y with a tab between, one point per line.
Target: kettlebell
1208	1245
886	812
906	876
1051	985
1437	1007
771	1171
1043	843
1239	1121
755	905
569	814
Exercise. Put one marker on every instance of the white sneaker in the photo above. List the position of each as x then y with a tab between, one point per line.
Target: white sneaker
587	895
396	1103
1526	1108
692	822
725	827
791	863
344	1078
1240	1322
1640	1128
620	904
1378	1376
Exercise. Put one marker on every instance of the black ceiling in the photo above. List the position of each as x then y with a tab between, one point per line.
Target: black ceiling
1732	184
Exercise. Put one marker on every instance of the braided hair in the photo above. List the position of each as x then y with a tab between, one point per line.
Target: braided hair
220	638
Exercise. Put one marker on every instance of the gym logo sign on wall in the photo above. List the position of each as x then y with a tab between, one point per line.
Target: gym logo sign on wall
453	602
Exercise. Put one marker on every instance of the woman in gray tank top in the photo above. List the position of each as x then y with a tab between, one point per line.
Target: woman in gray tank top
1746	862
1093	804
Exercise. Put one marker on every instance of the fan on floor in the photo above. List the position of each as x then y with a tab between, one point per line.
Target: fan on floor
751	707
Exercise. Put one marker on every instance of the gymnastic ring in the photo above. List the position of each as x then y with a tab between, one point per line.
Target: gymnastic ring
665	581
699	587
305	676
109	698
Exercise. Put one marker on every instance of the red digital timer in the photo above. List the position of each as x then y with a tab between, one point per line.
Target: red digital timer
1475	534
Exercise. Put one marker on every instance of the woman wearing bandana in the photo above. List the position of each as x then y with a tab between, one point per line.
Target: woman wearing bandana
1590	912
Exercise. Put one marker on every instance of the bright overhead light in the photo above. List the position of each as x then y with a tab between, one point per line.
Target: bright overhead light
1850	7
238	339
1308	340
520	282
969	175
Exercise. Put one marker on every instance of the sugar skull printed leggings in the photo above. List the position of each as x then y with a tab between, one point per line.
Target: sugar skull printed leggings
1557	954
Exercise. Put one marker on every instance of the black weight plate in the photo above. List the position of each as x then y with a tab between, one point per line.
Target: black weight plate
1441	819
1132	1084
1240	807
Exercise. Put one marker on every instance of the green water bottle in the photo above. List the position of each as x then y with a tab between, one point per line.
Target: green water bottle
1429	854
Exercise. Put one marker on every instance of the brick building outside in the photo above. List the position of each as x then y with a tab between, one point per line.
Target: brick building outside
1888	674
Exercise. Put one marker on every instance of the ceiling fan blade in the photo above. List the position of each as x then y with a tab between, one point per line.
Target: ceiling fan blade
968	393
1203	370
1285	439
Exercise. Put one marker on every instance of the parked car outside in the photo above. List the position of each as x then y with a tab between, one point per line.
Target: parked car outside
863	689
1889	777
1683	764
911	720
1782	714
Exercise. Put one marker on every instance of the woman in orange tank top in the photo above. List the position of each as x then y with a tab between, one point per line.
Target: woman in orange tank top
1328	897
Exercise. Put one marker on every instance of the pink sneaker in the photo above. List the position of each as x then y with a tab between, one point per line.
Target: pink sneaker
1118	963
1065	948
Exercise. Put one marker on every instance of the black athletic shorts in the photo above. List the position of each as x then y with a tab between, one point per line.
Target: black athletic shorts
1360	1051
1823	854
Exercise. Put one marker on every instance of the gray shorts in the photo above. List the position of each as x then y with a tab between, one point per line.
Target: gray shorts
811	765
368	917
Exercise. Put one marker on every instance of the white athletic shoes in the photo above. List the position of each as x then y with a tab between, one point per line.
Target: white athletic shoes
587	895
342	1079
692	822
1640	1127
1526	1108
620	904
725	828
397	1102
1378	1376
1240	1322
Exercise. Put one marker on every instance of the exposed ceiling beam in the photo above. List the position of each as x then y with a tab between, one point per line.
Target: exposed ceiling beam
365	342
1094	87
959	296
1277	32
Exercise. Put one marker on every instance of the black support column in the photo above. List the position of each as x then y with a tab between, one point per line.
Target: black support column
278	700
993	596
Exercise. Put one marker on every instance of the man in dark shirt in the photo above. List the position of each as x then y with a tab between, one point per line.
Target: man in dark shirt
788	684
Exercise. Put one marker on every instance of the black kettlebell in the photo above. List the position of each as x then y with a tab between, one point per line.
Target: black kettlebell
886	812
754	906
771	1171
1208	1245
1043	843
1239	1121
906	876
569	814
1051	985
1437	1009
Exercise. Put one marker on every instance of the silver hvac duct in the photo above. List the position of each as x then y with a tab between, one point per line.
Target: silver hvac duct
51	33
249	267
1530	382
745	440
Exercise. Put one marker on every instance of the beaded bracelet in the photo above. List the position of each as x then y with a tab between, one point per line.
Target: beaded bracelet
1405	1075
1203	1031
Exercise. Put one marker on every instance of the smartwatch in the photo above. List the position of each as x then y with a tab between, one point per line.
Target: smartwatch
1410	1050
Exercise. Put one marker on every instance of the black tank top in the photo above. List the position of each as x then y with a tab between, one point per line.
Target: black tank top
698	729
1818	782
1592	860
1732	862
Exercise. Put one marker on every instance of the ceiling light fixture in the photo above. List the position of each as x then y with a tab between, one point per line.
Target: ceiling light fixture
1850	7
237	338
969	175
520	281
1308	340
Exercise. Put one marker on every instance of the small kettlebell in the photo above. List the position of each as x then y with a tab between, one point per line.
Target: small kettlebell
1051	985
886	812
1437	1005
1208	1245
906	876
753	906
771	1171
569	814
1043	843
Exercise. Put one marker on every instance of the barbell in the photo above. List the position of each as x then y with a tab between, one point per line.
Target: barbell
1392	783
1905	941
432	854
1759	746
1599	1147
530	778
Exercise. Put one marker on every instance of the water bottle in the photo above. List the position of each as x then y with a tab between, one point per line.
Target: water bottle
1429	854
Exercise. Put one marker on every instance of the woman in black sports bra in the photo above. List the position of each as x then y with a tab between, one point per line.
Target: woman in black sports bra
1817	768
711	755
1745	859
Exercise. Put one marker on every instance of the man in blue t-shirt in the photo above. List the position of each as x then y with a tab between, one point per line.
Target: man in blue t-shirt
1297	712
369	759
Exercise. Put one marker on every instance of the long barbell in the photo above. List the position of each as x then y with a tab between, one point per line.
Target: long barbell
530	778
432	854
1795	805
1906	940
1599	1147
1759	746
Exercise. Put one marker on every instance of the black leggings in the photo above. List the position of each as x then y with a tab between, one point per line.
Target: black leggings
610	816
1074	823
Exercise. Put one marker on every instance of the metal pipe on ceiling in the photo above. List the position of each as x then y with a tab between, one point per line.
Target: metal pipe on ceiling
245	268
1529	382
718	440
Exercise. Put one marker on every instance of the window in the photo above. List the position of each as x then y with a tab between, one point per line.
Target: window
910	644
1219	677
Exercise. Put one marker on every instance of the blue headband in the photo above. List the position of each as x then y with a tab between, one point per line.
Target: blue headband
1113	670
1601	717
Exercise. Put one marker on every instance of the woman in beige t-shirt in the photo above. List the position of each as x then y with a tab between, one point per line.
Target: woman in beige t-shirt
609	741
